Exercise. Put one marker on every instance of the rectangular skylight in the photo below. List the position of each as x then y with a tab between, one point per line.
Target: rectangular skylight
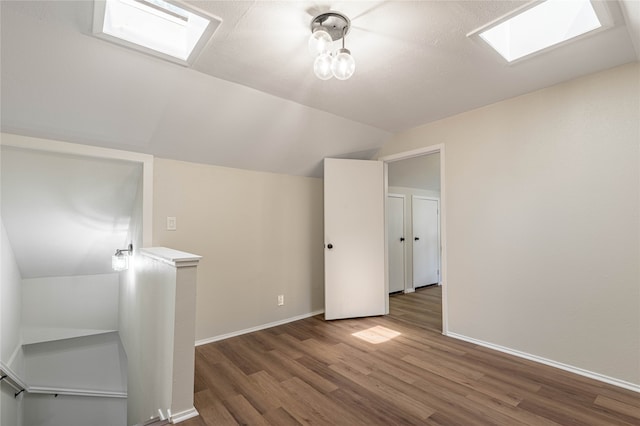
154	26
537	28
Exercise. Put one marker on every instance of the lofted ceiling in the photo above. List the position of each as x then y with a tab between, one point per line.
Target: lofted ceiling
251	100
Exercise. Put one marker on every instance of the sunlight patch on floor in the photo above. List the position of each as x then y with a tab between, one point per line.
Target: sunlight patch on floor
377	334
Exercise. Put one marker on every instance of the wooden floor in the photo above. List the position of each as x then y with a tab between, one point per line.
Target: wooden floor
317	372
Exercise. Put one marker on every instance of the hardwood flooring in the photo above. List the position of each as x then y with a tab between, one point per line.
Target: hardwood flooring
318	373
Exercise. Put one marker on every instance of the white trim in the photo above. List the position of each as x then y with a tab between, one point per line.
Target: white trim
409	290
432	149
76	392
385	194
49	145
147	202
184	415
566	367
257	328
26	142
175	258
443	243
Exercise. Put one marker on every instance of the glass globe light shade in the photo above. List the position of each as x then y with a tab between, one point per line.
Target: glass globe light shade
343	65
120	262
322	66
319	42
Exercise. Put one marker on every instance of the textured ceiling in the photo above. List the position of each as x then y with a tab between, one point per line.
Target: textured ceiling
414	62
251	100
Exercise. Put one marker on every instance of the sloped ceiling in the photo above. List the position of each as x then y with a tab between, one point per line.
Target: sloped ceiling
251	100
66	215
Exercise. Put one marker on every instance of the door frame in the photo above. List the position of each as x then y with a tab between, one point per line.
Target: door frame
437	200
432	149
404	232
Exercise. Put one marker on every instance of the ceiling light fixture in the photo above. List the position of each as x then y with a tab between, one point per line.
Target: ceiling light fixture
327	28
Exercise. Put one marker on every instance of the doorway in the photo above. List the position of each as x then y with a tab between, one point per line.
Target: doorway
419	176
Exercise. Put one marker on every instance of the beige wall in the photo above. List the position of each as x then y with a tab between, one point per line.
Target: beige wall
260	235
542	215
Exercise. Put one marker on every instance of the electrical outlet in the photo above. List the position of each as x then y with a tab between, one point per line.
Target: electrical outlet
280	299
171	223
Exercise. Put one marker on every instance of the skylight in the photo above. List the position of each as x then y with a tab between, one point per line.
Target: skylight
537	28
154	26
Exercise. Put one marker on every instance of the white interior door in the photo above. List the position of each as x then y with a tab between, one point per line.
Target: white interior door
426	241
396	242
354	239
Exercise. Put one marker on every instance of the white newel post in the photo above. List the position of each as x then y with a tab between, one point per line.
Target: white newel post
184	322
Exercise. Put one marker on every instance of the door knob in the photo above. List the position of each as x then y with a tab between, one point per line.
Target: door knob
416	238
401	238
329	246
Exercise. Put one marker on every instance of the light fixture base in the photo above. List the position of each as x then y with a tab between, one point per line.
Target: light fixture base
335	23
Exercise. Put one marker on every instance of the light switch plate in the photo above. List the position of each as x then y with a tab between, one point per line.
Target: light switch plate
171	223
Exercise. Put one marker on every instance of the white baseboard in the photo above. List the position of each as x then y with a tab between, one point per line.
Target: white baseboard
566	367
409	290
184	415
256	328
148	422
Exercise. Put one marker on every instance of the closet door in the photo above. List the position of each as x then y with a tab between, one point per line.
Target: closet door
396	242
426	241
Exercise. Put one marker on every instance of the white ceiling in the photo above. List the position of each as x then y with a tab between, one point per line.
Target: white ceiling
251	100
66	215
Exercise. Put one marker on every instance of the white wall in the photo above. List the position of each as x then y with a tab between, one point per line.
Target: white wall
408	224
145	321
83	302
10	407
542	221
65	214
10	343
10	302
47	410
260	235
94	363
146	331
